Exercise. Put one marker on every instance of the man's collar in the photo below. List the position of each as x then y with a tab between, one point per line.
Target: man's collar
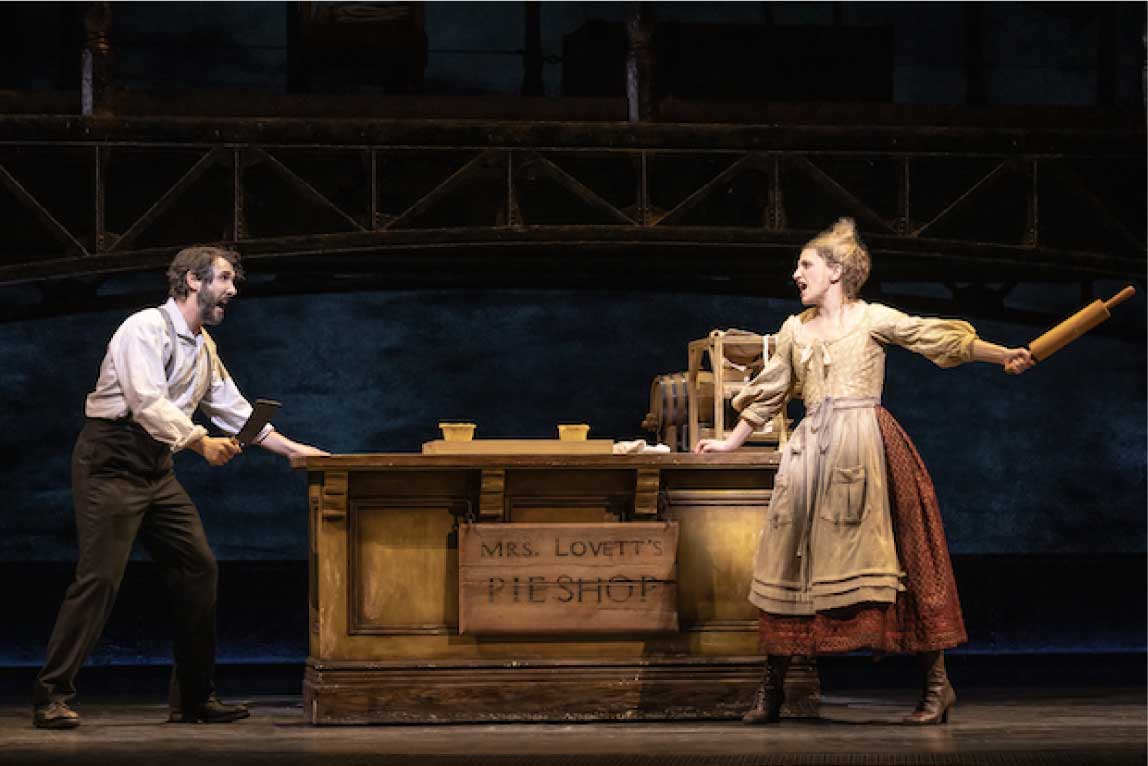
177	320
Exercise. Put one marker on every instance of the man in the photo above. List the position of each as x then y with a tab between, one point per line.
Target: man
159	367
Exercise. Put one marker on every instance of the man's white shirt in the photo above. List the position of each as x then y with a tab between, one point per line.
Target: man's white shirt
133	380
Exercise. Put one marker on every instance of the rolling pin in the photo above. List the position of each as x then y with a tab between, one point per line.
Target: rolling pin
1076	325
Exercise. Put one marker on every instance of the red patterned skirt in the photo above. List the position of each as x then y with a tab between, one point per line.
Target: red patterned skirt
927	614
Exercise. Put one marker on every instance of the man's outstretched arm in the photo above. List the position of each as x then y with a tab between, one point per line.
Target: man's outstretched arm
281	445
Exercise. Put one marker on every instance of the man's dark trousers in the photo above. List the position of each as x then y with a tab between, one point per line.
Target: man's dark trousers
123	485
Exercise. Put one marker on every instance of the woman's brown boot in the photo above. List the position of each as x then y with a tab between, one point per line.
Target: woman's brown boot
937	695
770	695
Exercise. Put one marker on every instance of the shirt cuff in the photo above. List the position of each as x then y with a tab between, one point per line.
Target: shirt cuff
754	420
263	434
967	348
196	433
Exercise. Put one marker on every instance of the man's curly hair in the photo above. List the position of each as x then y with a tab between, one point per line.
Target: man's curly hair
200	261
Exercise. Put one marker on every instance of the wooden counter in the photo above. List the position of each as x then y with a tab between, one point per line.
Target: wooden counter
384	639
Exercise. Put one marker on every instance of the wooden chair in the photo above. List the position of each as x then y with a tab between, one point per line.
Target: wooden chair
734	357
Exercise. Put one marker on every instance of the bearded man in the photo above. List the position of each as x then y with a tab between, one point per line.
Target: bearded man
159	367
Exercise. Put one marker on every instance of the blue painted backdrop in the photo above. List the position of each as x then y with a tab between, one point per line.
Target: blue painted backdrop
1051	462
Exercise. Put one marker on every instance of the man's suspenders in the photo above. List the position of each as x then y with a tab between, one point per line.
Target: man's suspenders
208	343
169	363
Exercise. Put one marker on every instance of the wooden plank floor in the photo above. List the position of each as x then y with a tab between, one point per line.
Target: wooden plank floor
1001	726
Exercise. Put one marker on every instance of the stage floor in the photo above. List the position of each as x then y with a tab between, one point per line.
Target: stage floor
998	726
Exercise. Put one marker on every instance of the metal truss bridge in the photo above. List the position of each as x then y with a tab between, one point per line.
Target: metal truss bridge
340	204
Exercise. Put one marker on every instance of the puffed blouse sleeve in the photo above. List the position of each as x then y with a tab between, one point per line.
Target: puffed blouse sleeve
765	395
945	342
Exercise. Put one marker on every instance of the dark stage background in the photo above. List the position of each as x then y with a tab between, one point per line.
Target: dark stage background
1052	462
1041	478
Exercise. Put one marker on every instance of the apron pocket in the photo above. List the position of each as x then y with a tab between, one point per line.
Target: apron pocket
845	502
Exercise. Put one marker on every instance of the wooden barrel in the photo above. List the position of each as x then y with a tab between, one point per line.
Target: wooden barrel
669	414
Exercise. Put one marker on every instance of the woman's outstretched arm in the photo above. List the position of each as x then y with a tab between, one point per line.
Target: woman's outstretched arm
1013	360
945	342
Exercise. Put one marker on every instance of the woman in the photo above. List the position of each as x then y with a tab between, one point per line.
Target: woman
852	555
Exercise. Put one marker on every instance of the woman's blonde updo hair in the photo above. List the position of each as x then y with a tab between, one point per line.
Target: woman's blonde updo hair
840	246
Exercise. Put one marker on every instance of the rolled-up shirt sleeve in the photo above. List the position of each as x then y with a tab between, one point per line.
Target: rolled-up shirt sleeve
945	342
765	395
137	353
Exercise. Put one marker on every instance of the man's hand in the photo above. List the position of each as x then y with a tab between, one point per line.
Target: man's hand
216	450
289	448
306	450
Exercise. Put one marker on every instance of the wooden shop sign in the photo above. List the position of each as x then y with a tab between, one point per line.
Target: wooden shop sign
568	578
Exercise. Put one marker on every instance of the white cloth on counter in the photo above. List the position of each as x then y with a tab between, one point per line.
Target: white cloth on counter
639	447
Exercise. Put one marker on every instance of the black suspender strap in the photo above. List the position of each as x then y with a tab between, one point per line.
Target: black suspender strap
208	344
169	363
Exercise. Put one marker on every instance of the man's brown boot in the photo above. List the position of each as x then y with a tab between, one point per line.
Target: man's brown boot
770	695
937	695
55	715
211	710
